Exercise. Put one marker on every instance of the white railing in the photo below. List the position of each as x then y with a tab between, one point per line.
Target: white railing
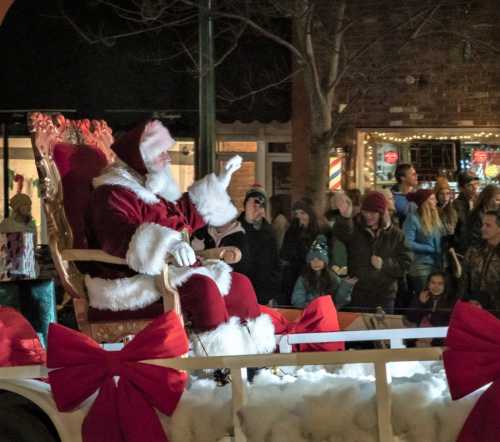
394	336
238	365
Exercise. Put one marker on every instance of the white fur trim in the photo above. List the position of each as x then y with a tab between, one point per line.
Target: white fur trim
233	338
149	247
147	189
119	175
262	333
212	201
215	269
132	293
155	140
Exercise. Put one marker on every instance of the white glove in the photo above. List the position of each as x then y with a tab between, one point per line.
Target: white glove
183	254
229	168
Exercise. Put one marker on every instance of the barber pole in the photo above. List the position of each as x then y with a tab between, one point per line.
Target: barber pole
335	182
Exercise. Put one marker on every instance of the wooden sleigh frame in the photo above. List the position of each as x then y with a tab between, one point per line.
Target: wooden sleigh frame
68	425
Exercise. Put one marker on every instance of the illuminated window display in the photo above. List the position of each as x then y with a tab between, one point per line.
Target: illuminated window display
433	152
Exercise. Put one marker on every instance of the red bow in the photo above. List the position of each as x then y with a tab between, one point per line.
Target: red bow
122	411
471	361
19	343
319	316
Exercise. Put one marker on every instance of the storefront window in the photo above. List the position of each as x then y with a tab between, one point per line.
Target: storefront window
23	177
483	159
433	152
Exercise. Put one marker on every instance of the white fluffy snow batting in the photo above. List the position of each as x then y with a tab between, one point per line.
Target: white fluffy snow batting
331	404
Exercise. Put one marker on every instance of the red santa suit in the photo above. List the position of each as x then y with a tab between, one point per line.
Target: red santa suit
138	213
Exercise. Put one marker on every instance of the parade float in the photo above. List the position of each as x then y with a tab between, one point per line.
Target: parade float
133	378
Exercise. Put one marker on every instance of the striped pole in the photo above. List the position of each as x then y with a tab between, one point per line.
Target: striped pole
335	181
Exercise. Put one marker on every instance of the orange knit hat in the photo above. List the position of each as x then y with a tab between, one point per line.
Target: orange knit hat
441	184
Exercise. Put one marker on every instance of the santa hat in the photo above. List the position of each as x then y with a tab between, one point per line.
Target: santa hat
319	249
374	202
420	196
139	147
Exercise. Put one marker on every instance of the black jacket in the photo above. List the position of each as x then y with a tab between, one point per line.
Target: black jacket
262	265
374	287
436	309
462	237
236	239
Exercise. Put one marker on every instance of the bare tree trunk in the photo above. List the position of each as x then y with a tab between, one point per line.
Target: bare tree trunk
317	183
321	142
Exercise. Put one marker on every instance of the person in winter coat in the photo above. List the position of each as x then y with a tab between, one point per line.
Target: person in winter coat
463	204
447	212
488	199
297	242
280	213
317	279
20	220
407	181
480	282
337	249
262	264
230	234
432	306
391	206
377	252
423	231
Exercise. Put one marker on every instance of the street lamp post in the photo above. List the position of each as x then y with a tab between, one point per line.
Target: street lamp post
205	151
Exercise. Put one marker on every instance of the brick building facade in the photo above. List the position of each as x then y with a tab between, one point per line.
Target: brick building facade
445	84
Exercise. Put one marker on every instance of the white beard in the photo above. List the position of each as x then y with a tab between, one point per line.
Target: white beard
162	183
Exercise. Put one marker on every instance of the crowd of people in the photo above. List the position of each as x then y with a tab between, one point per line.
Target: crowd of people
408	250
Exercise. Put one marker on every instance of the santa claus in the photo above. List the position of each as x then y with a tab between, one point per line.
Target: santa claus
137	212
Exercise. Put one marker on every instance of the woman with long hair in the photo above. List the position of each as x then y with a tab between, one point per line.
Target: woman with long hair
432	306
447	212
299	237
423	230
488	199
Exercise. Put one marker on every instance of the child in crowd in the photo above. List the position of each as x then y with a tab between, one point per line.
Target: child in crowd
317	279
432	307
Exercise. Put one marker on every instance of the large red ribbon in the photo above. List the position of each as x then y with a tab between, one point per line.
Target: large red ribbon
319	316
19	343
471	361
124	411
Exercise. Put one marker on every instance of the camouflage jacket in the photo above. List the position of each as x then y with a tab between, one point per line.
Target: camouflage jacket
481	276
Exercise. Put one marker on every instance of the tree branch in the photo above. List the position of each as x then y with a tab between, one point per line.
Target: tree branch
262	89
337	46
370	45
103	39
252	24
311	56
